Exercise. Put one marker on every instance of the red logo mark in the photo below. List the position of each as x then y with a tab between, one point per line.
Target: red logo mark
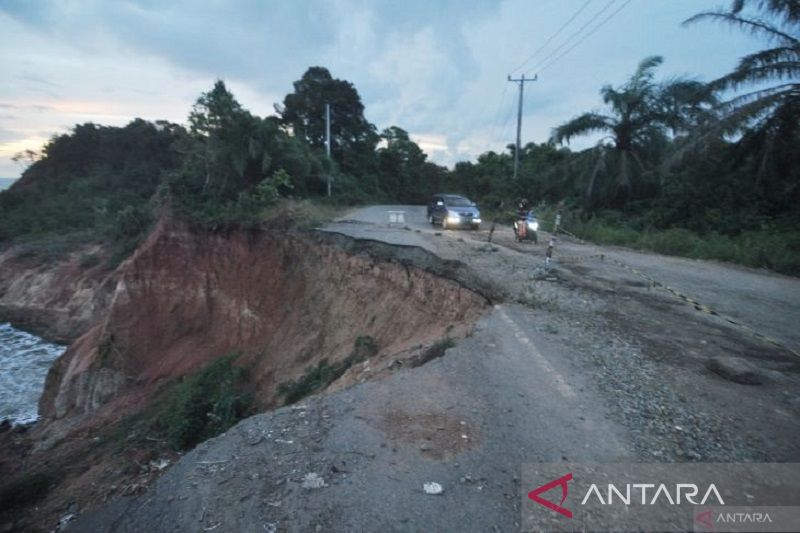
706	518
562	481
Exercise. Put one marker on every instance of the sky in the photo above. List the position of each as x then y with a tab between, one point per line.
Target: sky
437	69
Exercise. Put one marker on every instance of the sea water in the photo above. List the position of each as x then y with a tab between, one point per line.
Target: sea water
24	362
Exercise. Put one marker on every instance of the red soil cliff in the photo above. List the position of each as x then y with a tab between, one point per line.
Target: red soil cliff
285	300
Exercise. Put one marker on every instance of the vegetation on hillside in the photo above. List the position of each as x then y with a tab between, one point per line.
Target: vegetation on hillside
713	163
203	405
316	378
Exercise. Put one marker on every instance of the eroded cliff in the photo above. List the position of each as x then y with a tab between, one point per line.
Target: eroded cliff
285	300
56	298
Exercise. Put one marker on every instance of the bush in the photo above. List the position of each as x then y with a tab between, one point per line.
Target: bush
204	404
324	373
435	351
775	249
676	241
89	260
24	490
96	179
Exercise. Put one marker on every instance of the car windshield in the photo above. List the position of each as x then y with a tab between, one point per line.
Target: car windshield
457	201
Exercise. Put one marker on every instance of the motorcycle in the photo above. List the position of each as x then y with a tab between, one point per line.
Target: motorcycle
527	229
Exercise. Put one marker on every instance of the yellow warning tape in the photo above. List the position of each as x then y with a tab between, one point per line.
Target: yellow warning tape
705	309
578	258
562	230
697	305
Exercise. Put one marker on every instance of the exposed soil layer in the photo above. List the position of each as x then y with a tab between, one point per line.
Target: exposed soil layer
592	364
58	299
285	300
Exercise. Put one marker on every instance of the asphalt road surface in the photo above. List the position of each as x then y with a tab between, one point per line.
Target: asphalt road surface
583	363
769	303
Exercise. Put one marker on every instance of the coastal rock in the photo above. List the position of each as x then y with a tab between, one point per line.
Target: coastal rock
58	299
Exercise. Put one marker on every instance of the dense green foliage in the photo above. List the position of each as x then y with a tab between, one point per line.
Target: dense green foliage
107	183
680	167
203	404
98	180
670	154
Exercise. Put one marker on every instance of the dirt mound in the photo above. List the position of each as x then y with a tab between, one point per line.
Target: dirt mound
285	300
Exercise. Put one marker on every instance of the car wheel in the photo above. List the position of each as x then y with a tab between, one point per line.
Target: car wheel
430	220
476	227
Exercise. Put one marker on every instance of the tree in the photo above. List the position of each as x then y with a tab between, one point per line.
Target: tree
228	142
400	163
687	105
539	173
640	115
767	119
215	111
26	157
352	136
95	181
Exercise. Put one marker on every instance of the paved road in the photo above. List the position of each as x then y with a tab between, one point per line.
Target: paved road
591	366
467	421
373	223
769	303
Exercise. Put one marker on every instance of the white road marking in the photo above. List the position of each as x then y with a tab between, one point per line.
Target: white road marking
558	380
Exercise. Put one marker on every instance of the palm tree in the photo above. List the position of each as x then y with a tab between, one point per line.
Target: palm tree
635	126
769	115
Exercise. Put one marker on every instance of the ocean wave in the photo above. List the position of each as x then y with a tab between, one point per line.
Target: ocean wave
24	362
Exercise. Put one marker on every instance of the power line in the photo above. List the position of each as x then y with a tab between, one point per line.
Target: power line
498	113
554	35
548	60
603	22
506	124
574	35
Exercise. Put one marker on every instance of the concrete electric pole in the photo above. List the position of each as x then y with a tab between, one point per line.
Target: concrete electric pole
328	141
521	82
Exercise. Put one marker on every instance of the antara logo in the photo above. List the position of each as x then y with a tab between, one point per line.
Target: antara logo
682	492
562	481
632	493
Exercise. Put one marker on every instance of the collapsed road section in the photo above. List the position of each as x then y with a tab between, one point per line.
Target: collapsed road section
298	312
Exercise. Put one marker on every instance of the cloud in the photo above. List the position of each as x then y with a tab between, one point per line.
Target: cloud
26	107
7	135
437	69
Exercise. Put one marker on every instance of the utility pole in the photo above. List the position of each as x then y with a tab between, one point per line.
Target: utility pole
328	141
521	82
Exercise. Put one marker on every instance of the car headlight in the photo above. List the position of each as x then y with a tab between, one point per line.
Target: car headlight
533	226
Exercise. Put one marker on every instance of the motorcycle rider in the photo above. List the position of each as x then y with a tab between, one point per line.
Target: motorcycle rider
523	209
522	218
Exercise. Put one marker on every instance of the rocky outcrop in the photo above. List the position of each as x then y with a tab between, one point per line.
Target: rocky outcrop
58	299
284	300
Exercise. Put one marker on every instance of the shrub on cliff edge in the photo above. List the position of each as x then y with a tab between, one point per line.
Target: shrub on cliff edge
204	404
316	378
